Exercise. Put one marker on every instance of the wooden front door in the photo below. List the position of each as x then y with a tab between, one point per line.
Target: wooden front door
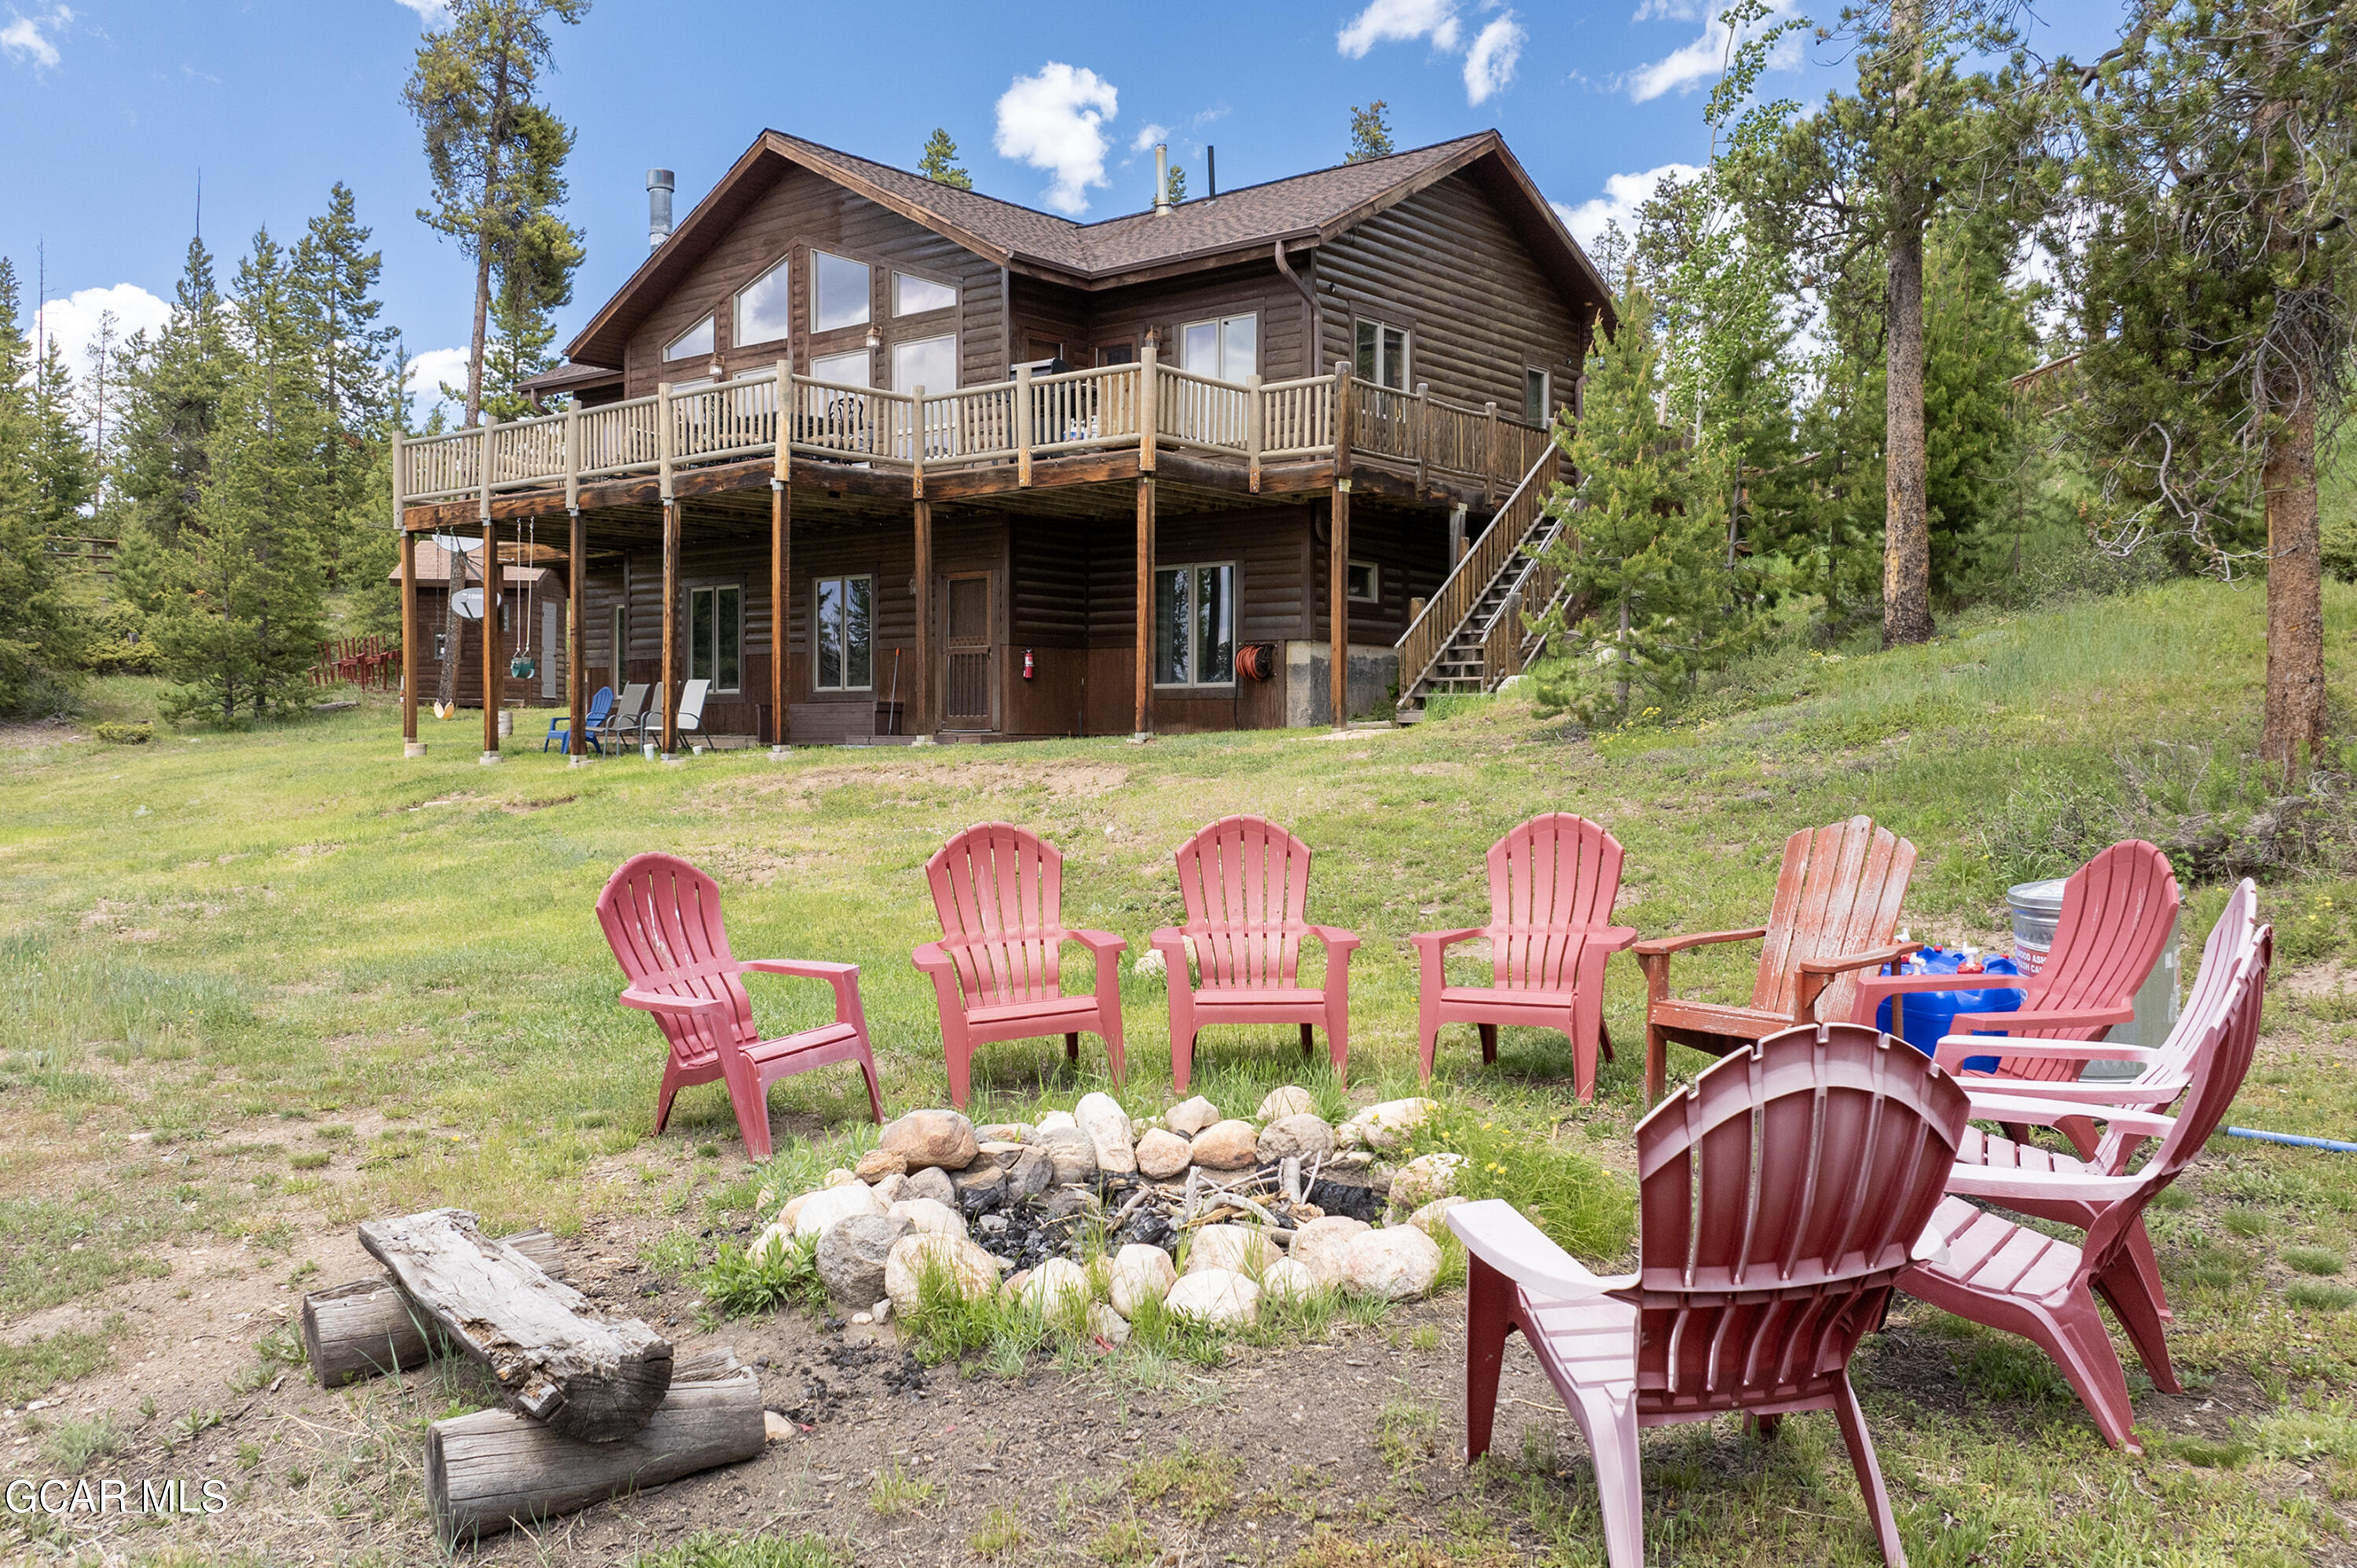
968	690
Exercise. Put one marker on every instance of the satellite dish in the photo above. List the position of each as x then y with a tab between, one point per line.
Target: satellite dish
467	602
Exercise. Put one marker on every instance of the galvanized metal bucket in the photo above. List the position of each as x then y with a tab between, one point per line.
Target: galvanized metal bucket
2037	906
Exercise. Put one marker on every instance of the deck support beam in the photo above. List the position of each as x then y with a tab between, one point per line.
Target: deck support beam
1338	553
921	690
410	744
495	651
781	556
667	694
576	638
1144	727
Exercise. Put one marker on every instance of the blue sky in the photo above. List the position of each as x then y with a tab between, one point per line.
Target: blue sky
112	107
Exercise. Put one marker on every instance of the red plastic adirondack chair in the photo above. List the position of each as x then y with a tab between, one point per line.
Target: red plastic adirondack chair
1781	1198
2166	1070
1837	907
1551	885
2116	914
2007	1276
1000	891
662	916
1245	882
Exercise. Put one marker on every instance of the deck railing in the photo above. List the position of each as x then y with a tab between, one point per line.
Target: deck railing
1488	557
1015	421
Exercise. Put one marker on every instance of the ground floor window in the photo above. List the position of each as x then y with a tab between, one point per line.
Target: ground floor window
1366	585
1194	625
843	633
715	637
618	644
1536	398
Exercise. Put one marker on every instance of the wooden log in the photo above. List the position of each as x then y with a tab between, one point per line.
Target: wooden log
488	1472
363	1329
552	1361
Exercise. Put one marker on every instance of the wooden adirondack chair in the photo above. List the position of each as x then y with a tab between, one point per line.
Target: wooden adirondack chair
2117	910
2168	1069
1780	1199
1835	910
1553	881
560	729
2005	1275
662	916
1000	891
1245	883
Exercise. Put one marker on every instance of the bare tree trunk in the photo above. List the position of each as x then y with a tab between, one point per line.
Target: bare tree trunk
2295	700
1906	531
482	315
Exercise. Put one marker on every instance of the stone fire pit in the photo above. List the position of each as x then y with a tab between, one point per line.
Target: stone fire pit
1208	1214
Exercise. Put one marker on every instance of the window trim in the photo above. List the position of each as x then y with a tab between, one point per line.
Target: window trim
709	323
1407	352
1546	394
811	286
1218	323
716	688
785	264
817	586
892	293
1234	569
1374	578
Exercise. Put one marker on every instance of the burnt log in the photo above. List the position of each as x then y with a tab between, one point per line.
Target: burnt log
581	1376
488	1472
363	1329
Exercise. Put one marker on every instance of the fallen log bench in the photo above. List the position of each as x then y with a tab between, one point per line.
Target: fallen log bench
492	1470
364	1329
584	1378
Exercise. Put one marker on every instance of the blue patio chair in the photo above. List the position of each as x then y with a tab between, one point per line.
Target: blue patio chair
561	729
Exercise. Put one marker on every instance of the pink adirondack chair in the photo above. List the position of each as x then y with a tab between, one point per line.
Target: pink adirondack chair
1780	1200
2166	1069
2005	1275
1245	882
1553	881
2117	913
662	916
1000	891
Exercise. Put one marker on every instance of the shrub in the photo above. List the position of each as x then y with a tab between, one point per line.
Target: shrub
740	1284
114	734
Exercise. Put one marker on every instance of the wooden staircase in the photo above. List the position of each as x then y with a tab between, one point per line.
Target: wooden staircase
1470	636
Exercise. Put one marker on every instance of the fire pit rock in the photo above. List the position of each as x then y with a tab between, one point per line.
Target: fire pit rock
924	1138
828	1205
1138	1274
1190	1117
973	1272
1055	1285
1107	1126
1218	1298
1424	1179
1286	1280
929	1214
1162	1153
1229	1247
851	1255
931	1182
1398	1263
1302	1135
1291	1100
1386	1125
1318	1246
1226	1146
1068	1148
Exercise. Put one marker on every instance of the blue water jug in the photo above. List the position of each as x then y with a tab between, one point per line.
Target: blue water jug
1927	1015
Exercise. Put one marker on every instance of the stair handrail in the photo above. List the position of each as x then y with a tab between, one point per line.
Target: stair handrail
1489	556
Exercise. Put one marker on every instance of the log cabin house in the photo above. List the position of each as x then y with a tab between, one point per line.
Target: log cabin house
1288	440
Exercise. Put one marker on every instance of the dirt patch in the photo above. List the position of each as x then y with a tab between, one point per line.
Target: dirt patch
802	787
752	866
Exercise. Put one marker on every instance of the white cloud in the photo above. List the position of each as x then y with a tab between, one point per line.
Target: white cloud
1684	70
28	38
432	13
1398	21
72	321
1648	11
1489	63
428	371
1055	121
1147	135
1624	194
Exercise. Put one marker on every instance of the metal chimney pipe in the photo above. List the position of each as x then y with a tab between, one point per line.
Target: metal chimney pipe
1161	179
1211	171
660	185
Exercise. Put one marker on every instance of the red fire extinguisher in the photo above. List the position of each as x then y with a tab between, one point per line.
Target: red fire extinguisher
1027	664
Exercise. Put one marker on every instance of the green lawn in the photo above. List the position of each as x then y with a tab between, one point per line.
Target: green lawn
260	984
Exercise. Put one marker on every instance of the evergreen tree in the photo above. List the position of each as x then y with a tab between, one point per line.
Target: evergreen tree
64	470
939	161
1648	599
243	618
533	275
1370	133
173	395
334	278
37	636
1976	338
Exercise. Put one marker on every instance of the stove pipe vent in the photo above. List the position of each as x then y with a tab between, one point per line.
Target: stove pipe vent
660	185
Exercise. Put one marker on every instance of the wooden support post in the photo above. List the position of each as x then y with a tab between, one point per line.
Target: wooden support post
1145	715
921	690
1423	433
495	650
576	640
410	744
1149	412
1338	551
1490	459
781	559
1253	435
1023	433
668	694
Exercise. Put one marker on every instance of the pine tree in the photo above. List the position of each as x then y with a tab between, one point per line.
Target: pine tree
334	278
1648	598
1976	338
1370	133
939	161
37	637
172	401
243	619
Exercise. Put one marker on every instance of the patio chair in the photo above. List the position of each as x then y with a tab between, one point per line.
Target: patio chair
1000	891
662	916
1836	907
1245	885
689	720
622	719
601	702
1780	1199
2167	1068
2005	1275
1553	881
2117	912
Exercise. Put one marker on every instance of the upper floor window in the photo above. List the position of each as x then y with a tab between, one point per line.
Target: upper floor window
839	292
1535	399
1382	354
928	362
695	343
913	296
1227	350
764	306
841	369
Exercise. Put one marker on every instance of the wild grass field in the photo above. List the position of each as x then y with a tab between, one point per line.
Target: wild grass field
254	987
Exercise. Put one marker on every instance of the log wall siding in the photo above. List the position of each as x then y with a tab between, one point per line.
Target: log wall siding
1124	314
1409	550
1443	264
798	212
